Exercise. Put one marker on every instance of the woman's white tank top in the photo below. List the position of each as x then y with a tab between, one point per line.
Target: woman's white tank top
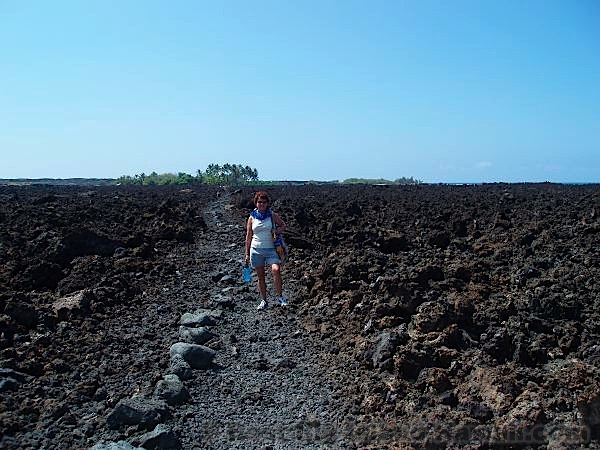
262	233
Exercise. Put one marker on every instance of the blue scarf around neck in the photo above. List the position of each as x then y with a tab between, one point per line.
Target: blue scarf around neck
261	216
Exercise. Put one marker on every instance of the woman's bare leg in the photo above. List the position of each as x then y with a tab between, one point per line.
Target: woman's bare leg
276	270
262	285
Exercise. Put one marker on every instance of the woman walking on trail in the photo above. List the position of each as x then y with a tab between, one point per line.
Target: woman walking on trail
260	250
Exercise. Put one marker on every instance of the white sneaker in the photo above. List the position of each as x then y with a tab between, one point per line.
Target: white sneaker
283	301
262	305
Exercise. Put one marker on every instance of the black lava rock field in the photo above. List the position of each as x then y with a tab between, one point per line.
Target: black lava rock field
420	317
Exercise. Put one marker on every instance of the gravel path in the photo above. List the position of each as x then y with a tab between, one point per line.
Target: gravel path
270	387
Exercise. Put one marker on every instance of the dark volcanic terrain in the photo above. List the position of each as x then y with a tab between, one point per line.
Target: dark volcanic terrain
419	317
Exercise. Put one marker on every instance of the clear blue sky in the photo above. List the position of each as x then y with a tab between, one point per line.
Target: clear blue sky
445	91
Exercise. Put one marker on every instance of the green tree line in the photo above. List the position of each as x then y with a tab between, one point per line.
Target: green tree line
215	174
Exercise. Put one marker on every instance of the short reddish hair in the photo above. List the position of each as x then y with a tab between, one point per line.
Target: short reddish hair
263	195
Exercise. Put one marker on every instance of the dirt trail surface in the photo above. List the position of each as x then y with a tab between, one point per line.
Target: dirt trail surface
270	386
420	317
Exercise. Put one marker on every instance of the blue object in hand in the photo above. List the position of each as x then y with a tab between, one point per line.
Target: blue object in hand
247	274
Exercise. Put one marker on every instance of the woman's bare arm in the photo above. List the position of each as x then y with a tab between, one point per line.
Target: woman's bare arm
281	226
248	237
